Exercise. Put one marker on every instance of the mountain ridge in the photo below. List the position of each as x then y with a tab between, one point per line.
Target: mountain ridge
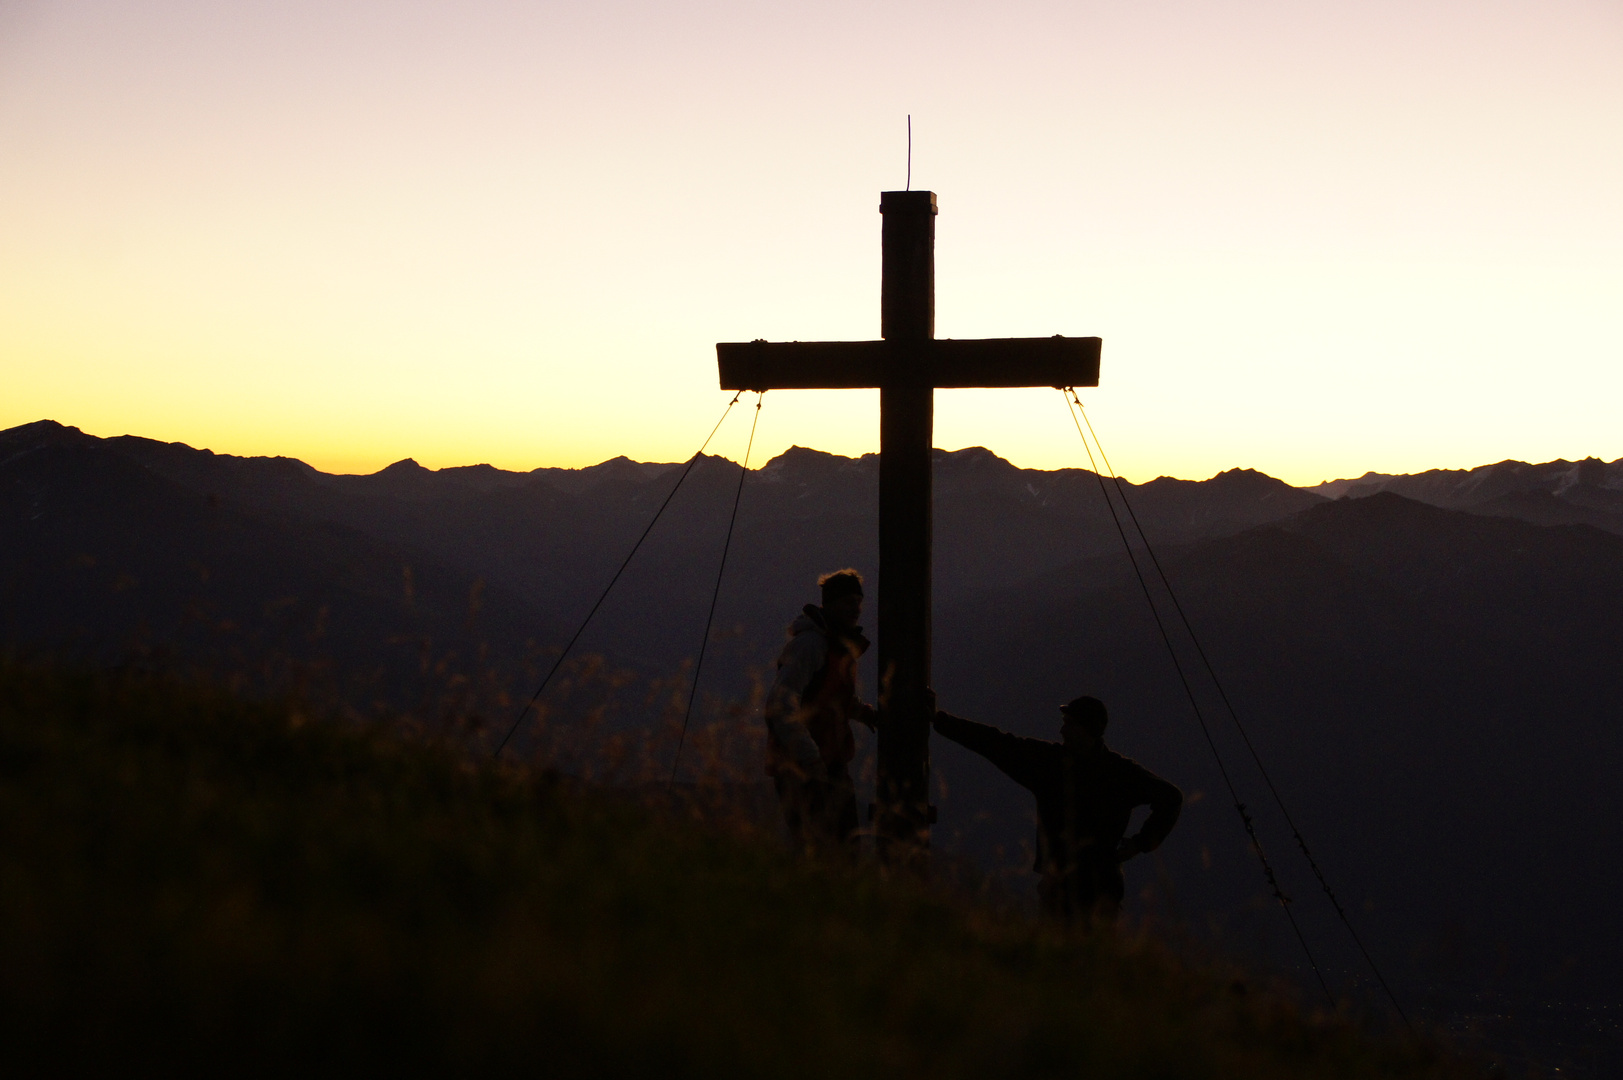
1436	689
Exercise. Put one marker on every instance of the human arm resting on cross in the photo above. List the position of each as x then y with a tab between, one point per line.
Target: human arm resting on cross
1017	758
1165	802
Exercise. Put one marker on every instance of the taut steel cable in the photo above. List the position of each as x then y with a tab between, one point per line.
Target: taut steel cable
519	719
1194	704
698	666
1234	716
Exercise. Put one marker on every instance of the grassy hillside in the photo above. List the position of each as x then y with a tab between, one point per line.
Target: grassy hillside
190	881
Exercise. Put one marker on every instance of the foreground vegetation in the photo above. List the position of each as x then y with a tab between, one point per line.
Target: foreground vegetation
192	881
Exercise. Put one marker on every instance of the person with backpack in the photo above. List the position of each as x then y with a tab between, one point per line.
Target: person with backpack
808	714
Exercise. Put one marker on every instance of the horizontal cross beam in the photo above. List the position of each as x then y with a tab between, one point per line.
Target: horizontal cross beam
944	363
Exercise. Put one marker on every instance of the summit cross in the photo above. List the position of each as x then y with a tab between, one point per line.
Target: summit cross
907	365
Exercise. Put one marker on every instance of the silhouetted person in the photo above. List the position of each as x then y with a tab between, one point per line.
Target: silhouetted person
1086	795
809	713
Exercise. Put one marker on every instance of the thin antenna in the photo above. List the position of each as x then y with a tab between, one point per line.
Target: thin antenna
909	152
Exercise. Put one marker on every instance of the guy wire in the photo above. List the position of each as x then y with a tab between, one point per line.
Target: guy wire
1194	703
605	595
1234	716
743	472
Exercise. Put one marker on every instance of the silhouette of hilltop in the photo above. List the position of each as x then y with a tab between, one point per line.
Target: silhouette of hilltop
543	541
197	884
1440	691
1436	687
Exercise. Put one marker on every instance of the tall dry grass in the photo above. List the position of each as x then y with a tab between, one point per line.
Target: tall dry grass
191	880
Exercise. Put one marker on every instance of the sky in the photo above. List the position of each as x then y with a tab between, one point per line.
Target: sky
1316	238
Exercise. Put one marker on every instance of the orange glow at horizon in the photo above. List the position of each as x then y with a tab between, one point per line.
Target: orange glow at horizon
1316	240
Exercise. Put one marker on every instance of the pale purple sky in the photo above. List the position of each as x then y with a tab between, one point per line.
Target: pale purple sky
1316	238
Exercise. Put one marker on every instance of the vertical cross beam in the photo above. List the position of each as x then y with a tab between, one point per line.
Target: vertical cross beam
906	366
907	413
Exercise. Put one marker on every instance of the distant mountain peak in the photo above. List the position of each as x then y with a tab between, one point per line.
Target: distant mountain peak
803	465
39	427
621	465
973	459
1548	493
403	467
37	435
802	455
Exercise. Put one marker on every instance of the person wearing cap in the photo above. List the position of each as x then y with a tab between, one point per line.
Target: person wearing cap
809	712
1086	794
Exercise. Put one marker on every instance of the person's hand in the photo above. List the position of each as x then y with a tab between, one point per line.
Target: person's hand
868	716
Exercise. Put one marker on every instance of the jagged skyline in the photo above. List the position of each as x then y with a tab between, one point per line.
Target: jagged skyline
1452	488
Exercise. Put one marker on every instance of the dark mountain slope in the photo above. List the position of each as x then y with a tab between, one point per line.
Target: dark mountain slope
101	554
554	537
1438	694
1554	492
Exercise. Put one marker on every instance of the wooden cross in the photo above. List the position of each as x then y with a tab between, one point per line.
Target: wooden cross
907	366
